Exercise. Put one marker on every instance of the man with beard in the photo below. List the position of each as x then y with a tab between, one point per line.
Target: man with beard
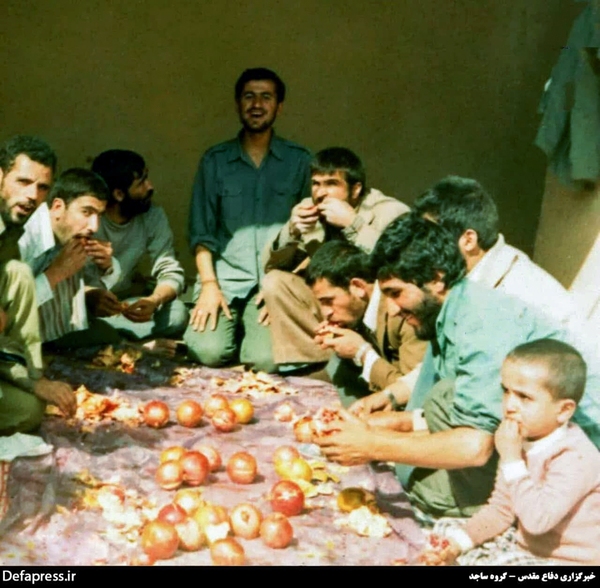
468	211
27	166
243	193
57	245
341	207
371	348
445	455
137	229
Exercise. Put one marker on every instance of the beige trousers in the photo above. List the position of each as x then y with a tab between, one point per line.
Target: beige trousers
20	410
17	299
294	314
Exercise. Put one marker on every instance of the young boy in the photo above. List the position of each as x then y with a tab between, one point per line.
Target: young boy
548	481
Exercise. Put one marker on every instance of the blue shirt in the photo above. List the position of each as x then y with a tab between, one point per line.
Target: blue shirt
475	330
237	209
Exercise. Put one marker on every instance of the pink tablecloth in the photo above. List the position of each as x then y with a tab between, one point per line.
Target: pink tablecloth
45	526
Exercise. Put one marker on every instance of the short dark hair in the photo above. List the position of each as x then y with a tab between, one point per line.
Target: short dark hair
460	204
76	182
565	367
35	148
338	262
414	249
260	73
119	168
334	159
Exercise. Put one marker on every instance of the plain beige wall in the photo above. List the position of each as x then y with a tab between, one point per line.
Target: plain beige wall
418	89
569	226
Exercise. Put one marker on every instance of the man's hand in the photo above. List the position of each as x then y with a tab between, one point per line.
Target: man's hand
393	420
304	218
59	393
445	552
263	315
68	262
102	302
344	342
346	441
100	252
337	213
509	442
210	302
140	311
376	402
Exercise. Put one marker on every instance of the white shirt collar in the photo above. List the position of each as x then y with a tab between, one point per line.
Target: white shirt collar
487	261
38	236
370	317
534	447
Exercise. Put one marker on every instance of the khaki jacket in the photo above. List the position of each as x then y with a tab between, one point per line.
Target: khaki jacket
400	349
375	212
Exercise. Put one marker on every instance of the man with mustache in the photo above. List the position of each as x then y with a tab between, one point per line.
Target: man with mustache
243	193
371	347
58	245
138	229
341	207
469	212
446	458
27	166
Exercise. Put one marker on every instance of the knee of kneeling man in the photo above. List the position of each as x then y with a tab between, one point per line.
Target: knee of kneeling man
179	317
273	282
33	414
207	355
260	361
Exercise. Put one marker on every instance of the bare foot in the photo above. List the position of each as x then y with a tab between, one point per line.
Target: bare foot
162	347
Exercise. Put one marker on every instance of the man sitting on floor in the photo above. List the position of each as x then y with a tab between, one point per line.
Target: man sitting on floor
372	348
445	452
137	228
468	211
341	207
27	167
57	244
243	192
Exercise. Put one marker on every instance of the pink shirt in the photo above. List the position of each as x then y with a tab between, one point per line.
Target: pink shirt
555	499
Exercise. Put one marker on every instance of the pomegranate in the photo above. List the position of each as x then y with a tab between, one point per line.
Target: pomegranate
303	430
224	420
242	468
276	531
323	421
172	514
169	475
245	521
191	537
189	413
172	453
195	468
283	457
284	413
159	540
297	469
210	514
213	456
227	552
189	499
243	409
215	402
156	414
287	498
